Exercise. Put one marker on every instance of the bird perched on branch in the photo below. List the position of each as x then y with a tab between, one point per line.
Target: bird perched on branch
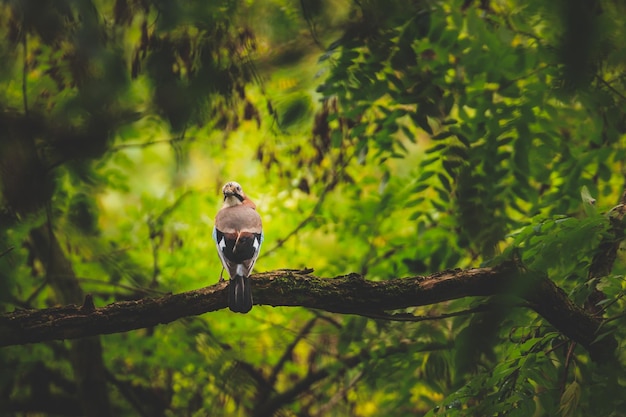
238	235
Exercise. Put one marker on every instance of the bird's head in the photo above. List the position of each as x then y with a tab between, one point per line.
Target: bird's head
233	193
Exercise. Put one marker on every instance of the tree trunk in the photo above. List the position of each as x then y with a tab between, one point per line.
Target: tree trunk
86	353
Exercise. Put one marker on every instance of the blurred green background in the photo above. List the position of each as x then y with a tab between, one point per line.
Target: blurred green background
388	138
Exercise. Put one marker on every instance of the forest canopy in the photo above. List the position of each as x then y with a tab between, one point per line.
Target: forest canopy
441	183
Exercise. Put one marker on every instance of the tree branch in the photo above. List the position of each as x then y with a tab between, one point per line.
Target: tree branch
7	250
349	294
304	384
288	353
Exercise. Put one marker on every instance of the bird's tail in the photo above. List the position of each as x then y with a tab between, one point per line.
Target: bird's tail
239	294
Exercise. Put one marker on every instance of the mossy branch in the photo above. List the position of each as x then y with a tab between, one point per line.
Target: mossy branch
349	294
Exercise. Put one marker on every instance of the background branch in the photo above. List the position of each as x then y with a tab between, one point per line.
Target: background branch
349	362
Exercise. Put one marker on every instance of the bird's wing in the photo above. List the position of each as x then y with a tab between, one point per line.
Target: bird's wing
220	243
248	264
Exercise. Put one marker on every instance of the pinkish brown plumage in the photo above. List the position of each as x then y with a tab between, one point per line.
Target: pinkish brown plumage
238	234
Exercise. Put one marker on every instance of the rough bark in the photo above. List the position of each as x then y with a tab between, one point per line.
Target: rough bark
349	294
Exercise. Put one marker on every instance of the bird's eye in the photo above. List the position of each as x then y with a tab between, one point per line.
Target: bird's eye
238	188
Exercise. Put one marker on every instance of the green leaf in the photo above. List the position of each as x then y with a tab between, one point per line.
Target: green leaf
442	135
429	161
570	399
589	203
436	148
457	151
422	121
450	166
426	175
420	187
445	182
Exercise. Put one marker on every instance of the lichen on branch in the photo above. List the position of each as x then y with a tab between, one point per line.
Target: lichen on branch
348	294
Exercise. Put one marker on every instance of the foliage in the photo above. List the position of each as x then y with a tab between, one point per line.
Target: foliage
422	136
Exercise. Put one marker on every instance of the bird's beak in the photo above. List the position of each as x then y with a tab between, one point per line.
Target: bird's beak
230	193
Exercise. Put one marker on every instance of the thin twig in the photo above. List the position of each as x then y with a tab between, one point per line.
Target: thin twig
325	317
280	242
568	360
555	347
289	351
616	317
325	409
349	362
6	251
610	87
25	73
321	198
39	288
311	24
407	317
507	84
606	306
530	35
155	228
150	143
127	391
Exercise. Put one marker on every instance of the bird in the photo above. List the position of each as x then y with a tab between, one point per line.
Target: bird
238	235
